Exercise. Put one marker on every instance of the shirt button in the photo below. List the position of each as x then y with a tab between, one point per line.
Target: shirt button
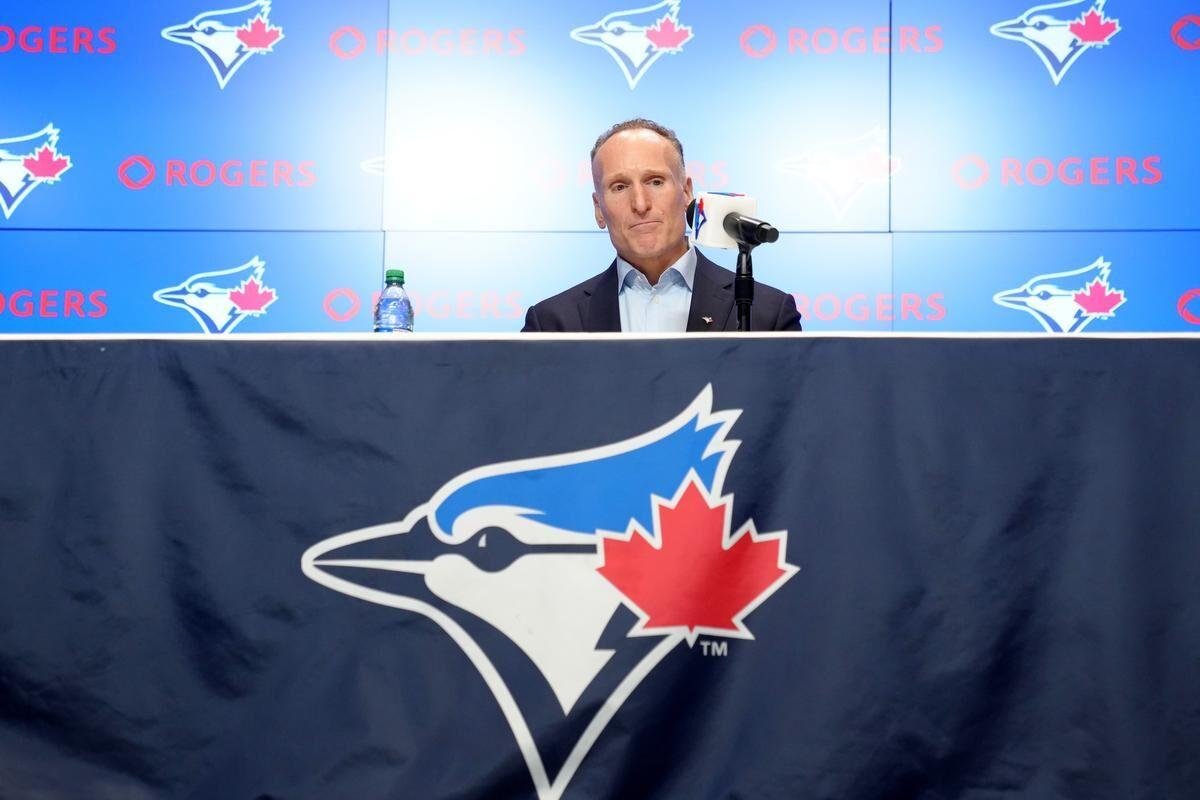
656	299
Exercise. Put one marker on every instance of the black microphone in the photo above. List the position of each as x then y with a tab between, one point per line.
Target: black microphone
748	230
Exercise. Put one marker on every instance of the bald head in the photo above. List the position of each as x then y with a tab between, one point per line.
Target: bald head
640	124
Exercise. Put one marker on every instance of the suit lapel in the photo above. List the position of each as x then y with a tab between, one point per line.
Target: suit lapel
599	310
712	298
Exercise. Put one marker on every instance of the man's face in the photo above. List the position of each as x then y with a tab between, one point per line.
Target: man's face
641	197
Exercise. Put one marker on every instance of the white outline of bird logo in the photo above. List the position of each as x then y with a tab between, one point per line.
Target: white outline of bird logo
212	298
629	37
1053	38
223	45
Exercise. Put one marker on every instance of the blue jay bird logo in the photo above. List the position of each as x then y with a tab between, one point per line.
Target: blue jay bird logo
220	300
27	162
1066	302
508	559
227	38
701	218
843	169
1059	33
638	37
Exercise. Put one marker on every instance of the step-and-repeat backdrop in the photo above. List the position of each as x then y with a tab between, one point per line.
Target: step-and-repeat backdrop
184	166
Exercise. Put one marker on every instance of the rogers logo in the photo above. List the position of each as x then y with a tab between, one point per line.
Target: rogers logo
344	304
760	41
349	42
138	172
54	303
1189	306
865	308
1191	26
973	171
58	39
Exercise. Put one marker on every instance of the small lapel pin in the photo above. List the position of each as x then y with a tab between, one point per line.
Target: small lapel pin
707	320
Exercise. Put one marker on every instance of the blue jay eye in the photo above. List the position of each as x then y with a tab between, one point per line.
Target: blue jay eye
1044	295
208	30
202	293
1041	26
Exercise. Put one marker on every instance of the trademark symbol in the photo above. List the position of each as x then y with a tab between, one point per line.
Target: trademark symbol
714	649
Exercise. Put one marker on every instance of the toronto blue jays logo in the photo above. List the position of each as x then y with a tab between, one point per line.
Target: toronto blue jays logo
843	169
1066	302
1061	32
27	162
701	218
227	38
638	37
567	579
219	300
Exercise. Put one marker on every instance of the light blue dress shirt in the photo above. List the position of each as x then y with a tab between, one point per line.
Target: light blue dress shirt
662	308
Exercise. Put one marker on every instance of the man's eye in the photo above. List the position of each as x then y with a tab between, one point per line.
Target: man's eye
657	182
618	187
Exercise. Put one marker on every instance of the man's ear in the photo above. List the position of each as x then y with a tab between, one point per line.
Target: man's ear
687	190
596	207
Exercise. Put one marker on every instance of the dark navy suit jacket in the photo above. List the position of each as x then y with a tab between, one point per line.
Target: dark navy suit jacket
592	306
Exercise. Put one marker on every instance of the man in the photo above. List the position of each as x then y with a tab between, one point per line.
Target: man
658	282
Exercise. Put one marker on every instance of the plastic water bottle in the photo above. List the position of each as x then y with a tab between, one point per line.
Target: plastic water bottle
394	314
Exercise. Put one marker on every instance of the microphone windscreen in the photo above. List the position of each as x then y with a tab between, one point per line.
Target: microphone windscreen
708	229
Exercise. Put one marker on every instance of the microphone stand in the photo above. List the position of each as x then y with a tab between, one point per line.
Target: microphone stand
743	286
748	233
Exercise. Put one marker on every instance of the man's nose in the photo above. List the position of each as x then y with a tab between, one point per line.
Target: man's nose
641	199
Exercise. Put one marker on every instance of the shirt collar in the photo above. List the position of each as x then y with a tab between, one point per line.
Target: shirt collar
685	267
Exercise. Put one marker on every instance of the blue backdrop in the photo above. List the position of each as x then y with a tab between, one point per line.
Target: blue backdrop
924	157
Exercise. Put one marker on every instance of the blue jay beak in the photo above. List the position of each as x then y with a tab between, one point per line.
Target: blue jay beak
491	550
1010	29
1014	298
587	34
171	294
183	34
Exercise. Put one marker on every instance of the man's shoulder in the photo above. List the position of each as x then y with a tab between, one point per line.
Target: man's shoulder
773	309
574	294
573	310
725	278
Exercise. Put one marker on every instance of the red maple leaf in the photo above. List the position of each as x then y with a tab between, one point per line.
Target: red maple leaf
698	578
252	297
1098	299
1094	28
46	164
875	165
667	37
259	35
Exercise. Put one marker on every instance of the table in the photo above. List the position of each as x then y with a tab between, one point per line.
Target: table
600	567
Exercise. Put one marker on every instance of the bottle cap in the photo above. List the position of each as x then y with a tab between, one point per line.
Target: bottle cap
394	275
